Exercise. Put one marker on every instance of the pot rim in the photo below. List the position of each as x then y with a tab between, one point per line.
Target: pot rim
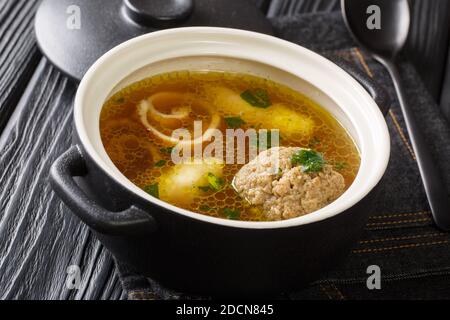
365	115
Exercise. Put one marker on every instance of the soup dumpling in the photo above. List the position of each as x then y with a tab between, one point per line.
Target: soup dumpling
278	116
302	183
186	181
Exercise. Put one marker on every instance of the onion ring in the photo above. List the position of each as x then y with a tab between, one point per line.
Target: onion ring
147	106
158	116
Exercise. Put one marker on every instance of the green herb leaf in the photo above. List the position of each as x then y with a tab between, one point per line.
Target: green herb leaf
215	182
314	142
234	122
258	98
152	190
167	150
160	163
205	209
119	100
231	214
205	189
279	173
309	160
340	165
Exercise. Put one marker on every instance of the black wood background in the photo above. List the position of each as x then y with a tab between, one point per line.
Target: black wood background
39	238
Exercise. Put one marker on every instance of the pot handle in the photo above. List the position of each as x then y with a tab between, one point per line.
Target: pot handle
378	93
132	221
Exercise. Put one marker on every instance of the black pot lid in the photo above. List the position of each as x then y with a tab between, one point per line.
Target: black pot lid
73	34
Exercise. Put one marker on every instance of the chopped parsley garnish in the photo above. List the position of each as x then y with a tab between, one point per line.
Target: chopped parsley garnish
205	188
160	163
279	174
340	165
258	98
309	160
205	208
215	182
152	190
167	150
314	142
232	214
234	122
119	100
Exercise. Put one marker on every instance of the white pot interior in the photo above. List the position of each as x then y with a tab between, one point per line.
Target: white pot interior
199	49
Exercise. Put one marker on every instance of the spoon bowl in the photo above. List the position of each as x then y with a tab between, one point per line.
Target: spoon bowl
382	27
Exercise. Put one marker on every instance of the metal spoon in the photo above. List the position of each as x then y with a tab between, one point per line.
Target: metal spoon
382	28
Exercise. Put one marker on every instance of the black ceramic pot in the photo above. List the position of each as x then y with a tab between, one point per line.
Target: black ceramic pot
194	253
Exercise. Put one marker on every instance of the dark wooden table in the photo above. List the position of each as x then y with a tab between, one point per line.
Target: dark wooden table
39	239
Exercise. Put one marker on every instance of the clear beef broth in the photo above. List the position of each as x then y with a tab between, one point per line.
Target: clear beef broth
146	160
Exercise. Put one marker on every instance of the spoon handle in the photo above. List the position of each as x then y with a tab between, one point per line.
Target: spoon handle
435	187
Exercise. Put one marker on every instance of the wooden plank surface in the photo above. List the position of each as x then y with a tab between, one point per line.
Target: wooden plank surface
292	7
445	95
18	52
428	42
38	236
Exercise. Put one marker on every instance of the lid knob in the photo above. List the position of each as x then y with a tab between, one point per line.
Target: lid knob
159	13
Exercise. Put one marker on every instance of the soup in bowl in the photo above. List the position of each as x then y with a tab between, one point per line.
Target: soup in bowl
225	171
223	161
